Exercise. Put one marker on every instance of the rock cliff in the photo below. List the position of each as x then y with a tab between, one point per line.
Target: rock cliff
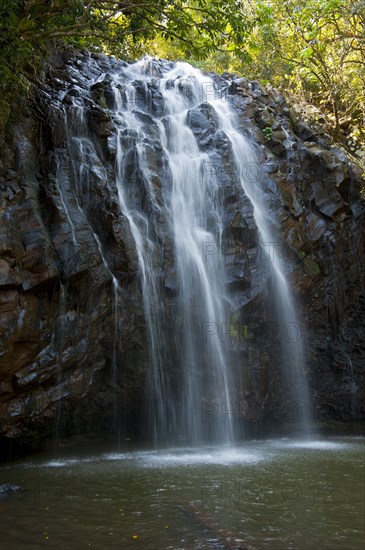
74	351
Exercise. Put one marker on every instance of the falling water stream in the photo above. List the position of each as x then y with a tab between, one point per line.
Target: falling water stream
194	215
193	392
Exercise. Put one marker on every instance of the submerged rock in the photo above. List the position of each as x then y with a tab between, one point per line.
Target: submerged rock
7	489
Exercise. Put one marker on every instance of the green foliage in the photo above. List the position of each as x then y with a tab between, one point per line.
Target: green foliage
268	133
314	49
4	115
200	24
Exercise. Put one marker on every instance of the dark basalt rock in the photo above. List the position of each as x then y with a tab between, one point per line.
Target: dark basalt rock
57	300
203	123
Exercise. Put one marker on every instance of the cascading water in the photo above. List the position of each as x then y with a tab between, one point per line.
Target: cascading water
190	208
292	335
72	186
176	413
180	163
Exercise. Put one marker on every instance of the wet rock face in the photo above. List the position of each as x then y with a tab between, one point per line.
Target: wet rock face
57	303
63	239
318	198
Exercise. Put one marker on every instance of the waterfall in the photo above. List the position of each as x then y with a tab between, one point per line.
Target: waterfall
177	407
183	179
292	333
60	336
195	400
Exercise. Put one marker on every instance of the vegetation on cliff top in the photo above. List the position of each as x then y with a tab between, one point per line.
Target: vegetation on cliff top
314	49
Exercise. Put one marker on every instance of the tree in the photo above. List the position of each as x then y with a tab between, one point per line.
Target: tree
109	24
316	49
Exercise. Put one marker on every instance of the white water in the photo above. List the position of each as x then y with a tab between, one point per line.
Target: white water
202	294
205	373
60	335
251	452
292	334
191	374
